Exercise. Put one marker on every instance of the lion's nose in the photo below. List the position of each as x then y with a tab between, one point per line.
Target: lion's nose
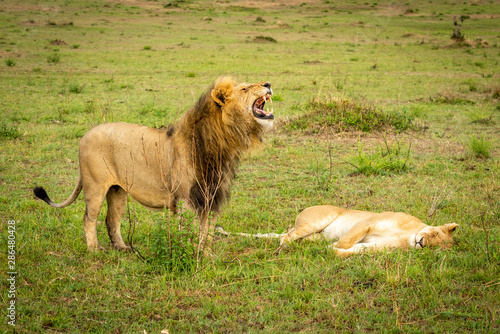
267	85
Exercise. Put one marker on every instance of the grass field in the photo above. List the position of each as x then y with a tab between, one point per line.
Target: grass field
66	66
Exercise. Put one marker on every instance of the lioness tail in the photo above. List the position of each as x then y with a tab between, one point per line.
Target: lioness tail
42	194
220	230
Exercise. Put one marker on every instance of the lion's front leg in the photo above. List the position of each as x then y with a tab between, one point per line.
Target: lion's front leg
342	252
357	248
355	235
206	232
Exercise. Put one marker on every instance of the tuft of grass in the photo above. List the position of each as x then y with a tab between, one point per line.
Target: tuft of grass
479	146
174	243
191	75
265	39
10	62
277	97
53	58
401	120
8	132
340	114
147	47
386	159
480	117
75	88
495	91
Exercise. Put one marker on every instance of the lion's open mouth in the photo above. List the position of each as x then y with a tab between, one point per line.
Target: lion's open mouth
258	108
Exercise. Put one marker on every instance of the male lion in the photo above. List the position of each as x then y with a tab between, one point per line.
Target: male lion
358	231
193	160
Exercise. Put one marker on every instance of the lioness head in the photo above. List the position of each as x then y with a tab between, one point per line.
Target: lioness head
434	236
252	97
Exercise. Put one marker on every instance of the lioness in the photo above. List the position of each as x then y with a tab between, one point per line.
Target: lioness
358	231
193	160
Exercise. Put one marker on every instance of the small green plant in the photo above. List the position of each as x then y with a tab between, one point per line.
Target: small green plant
147	47
480	117
401	120
10	62
479	146
8	132
174	245
75	88
191	75
75	46
277	97
457	35
53	58
386	159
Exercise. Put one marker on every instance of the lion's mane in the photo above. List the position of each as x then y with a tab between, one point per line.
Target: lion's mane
215	134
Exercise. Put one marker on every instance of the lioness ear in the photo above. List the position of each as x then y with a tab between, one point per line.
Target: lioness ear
223	89
451	227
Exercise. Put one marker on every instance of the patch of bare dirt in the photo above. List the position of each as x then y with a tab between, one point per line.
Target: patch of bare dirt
146	4
266	4
10	55
58	42
477	43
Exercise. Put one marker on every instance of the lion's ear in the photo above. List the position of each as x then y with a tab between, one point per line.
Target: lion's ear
451	227
223	89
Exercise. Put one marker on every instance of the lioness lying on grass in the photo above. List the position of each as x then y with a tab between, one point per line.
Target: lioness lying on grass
358	231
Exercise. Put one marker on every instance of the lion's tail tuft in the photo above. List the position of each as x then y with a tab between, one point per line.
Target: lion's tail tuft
42	194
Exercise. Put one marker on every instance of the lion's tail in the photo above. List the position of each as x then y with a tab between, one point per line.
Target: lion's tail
220	230
42	194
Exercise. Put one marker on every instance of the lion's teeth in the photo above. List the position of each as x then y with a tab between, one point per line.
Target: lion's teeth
271	100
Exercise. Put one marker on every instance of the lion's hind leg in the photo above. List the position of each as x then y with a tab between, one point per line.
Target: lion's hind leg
94	199
117	202
306	228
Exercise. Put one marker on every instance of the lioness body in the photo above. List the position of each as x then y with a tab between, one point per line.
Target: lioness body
193	160
358	231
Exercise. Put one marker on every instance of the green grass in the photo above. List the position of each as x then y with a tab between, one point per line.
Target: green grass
8	132
385	160
479	147
10	62
54	58
424	95
340	114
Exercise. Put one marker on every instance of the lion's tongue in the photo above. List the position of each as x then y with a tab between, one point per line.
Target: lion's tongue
260	102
